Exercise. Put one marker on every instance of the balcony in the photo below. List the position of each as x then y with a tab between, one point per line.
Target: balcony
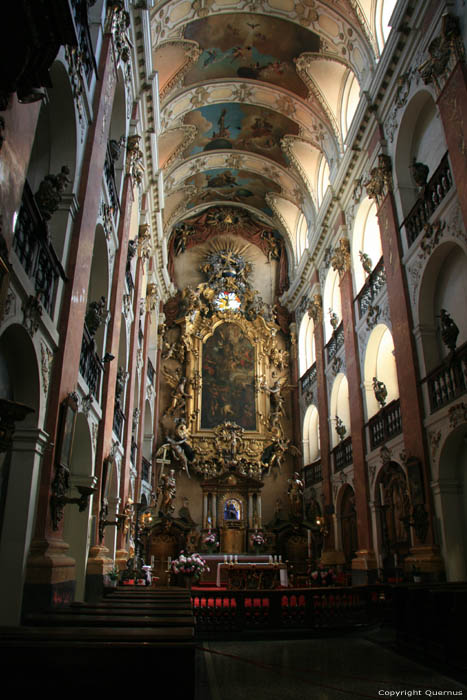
35	252
80	14
434	192
448	381
109	173
90	365
119	419
312	473
343	456
373	284
309	378
151	372
385	425
145	470
335	343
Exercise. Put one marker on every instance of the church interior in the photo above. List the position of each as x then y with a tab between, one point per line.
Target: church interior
233	340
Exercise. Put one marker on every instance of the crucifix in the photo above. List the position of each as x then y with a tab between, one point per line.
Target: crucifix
162	461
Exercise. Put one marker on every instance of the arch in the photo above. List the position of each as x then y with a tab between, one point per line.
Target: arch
301	236
306	344
443	284
322	179
421	137
451	503
380	363
311	440
99	281
331	301
20	372
349	101
148	431
366	237
118	128
339	406
77	524
383	12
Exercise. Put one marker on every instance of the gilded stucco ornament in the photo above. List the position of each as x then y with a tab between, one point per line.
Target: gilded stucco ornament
315	308
380	181
443	53
340	259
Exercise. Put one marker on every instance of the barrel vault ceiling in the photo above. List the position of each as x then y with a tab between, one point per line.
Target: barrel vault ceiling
256	98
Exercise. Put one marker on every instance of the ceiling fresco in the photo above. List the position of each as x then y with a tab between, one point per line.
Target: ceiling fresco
230	185
253	47
241	127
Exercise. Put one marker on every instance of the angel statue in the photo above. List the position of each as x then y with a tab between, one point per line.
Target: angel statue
366	261
179	448
380	391
275	394
178	382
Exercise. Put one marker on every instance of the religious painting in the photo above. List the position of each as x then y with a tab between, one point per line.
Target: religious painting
232	509
242	127
253	47
232	185
228	370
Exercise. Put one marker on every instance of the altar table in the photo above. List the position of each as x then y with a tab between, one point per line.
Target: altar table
252	575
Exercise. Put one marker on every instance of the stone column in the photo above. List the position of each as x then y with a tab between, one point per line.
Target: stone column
329	555
20	475
49	570
379	187
364	563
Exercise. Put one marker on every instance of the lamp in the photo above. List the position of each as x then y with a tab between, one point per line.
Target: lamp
108	357
59	500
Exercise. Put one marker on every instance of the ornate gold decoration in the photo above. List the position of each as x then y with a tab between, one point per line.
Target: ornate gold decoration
315	308
152	297
444	52
340	259
380	181
135	157
144	241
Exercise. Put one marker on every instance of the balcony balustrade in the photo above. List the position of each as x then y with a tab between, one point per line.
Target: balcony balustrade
335	343
312	473
433	194
448	381
343	456
373	284
90	365
385	425
35	252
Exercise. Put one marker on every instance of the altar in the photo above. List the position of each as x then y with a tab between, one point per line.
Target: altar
251	575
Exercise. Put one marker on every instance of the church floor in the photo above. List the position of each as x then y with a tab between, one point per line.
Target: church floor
336	668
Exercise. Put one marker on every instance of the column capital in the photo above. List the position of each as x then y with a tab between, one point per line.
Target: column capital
444	52
379	184
315	308
340	259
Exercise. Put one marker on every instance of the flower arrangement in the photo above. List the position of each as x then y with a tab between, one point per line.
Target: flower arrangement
324	577
258	539
210	540
189	565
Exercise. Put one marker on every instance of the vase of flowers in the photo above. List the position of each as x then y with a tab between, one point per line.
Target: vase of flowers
323	577
258	541
188	566
211	542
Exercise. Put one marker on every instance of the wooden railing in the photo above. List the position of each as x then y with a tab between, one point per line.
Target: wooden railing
80	12
145	469
119	419
386	424
448	381
312	473
435	191
343	456
35	252
228	612
151	372
109	172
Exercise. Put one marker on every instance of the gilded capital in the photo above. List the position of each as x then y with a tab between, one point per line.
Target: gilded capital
340	259
315	308
443	53
380	181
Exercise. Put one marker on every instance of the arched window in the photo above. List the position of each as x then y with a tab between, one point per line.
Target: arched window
323	179
331	301
301	237
311	444
366	239
350	98
380	363
306	344
339	407
383	12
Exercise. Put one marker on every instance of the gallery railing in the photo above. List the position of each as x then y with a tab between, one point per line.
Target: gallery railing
109	172
90	366
433	194
309	378
80	13
336	342
374	282
35	252
145	469
151	372
119	419
228	612
449	381
386	424
134	447
343	456
312	473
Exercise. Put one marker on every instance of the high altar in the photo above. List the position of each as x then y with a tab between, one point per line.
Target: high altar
226	454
